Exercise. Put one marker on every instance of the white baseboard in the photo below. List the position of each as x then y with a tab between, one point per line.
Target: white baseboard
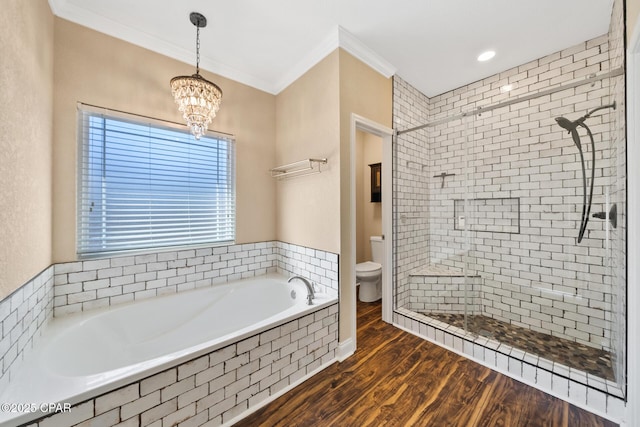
345	349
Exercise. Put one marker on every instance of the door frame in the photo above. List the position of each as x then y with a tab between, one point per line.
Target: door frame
359	123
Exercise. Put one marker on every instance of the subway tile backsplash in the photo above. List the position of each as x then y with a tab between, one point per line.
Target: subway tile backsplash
22	317
88	284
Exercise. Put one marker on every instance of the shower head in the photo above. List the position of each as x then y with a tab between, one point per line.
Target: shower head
571	127
566	123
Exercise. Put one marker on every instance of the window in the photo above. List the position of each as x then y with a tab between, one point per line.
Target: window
148	184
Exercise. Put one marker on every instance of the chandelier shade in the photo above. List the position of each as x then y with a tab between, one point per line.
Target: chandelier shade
198	99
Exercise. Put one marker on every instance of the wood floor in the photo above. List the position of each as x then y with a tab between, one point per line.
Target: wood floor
397	379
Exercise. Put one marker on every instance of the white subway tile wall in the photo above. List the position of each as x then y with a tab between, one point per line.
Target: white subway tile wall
22	316
88	284
533	273
444	293
220	386
410	186
319	266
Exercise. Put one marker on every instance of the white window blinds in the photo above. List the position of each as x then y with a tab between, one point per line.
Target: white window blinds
145	184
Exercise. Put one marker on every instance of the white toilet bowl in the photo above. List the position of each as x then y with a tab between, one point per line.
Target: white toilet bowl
369	275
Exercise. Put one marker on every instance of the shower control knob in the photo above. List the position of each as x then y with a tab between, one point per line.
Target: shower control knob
613	215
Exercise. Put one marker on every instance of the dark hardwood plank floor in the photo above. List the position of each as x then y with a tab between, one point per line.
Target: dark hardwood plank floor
397	379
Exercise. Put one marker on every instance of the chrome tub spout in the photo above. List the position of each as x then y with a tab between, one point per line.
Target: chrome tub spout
307	283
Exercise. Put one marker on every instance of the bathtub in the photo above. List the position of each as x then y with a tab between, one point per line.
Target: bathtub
86	354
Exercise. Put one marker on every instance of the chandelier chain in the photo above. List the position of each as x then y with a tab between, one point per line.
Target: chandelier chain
197	49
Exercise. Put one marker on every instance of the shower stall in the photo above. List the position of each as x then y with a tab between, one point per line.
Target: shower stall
509	212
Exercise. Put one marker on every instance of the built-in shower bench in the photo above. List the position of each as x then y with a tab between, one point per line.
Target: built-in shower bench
440	288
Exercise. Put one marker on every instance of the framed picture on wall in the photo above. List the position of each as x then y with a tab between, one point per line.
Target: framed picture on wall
376	182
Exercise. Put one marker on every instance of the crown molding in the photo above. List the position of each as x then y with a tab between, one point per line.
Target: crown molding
330	43
57	5
69	11
337	38
355	47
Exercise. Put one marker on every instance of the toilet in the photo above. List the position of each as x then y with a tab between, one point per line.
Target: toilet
369	273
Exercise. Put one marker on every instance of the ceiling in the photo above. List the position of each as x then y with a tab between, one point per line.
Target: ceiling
268	44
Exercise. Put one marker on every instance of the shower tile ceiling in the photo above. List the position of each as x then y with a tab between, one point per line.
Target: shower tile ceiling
267	44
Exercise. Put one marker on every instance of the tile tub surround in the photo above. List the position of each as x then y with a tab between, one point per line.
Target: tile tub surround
22	316
69	287
586	391
221	386
538	278
95	283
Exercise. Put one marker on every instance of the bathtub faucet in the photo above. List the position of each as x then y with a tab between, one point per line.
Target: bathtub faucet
307	283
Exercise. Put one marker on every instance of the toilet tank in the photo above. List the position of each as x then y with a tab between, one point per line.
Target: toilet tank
377	249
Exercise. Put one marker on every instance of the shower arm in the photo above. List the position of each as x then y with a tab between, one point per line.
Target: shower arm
586	116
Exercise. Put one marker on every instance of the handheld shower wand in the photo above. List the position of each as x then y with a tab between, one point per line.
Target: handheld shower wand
572	128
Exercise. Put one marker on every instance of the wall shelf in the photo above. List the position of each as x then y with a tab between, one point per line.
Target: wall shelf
300	168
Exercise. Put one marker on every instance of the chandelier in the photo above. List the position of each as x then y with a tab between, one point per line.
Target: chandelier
198	99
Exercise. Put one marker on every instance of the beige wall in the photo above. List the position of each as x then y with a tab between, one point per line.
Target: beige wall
96	69
367	93
633	11
368	214
307	126
26	79
313	119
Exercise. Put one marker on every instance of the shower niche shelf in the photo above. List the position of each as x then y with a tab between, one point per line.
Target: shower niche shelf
299	168
496	215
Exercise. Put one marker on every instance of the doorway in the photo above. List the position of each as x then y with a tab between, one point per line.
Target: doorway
385	134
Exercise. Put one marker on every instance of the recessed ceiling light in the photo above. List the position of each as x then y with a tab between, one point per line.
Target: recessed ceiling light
485	56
